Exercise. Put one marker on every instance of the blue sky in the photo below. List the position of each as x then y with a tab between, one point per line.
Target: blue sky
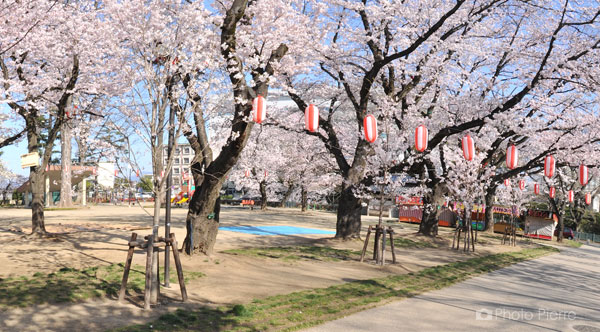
11	156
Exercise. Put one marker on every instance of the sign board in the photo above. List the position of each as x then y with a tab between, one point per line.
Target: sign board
409	200
540	214
30	159
106	175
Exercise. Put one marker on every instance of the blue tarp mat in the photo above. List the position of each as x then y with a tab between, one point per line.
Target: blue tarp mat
274	230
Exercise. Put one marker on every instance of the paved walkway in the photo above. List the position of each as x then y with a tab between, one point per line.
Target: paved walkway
560	292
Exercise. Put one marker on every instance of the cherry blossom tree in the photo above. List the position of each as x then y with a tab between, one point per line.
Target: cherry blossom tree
256	40
502	86
57	50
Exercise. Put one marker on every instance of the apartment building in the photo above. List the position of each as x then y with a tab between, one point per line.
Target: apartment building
181	166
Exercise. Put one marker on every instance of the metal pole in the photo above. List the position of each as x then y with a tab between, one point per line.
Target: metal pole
168	200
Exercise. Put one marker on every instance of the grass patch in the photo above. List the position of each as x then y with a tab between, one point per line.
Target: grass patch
295	253
401	242
572	243
73	285
61	209
311	307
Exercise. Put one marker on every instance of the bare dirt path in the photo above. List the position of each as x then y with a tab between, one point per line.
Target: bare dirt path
98	236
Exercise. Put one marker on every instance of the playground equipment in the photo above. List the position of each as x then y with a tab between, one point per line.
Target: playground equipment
181	198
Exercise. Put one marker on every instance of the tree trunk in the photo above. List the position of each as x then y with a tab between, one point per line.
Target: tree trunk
303	199
66	199
263	195
348	215
286	195
429	221
561	228
37	176
201	224
489	210
37	180
557	208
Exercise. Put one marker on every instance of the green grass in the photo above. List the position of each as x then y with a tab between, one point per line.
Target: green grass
296	253
400	242
311	307
61	209
73	285
572	243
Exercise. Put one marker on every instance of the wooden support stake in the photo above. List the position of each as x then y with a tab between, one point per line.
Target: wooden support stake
376	245
472	240
127	268
149	251
454	237
364	251
157	272
184	296
391	231
382	245
465	244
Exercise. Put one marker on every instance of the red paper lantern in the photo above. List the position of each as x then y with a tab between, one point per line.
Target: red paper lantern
421	138
266	173
116	172
259	109
94	171
247	173
370	127
512	156
311	118
468	147
137	173
583	175
162	174
47	168
507	183
549	166
536	189
571	195
588	198
521	184
552	192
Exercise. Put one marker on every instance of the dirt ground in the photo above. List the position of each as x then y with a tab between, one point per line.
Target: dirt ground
98	235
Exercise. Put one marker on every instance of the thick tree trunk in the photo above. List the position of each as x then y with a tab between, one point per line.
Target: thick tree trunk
561	228
66	199
303	199
202	222
286	195
36	178
263	195
429	221
557	208
489	210
348	215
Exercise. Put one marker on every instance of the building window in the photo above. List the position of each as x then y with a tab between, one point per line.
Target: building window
186	150
176	161
186	161
177	151
175	170
186	170
176	181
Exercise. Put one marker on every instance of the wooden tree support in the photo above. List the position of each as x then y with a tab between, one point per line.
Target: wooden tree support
150	246
379	244
510	236
468	238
